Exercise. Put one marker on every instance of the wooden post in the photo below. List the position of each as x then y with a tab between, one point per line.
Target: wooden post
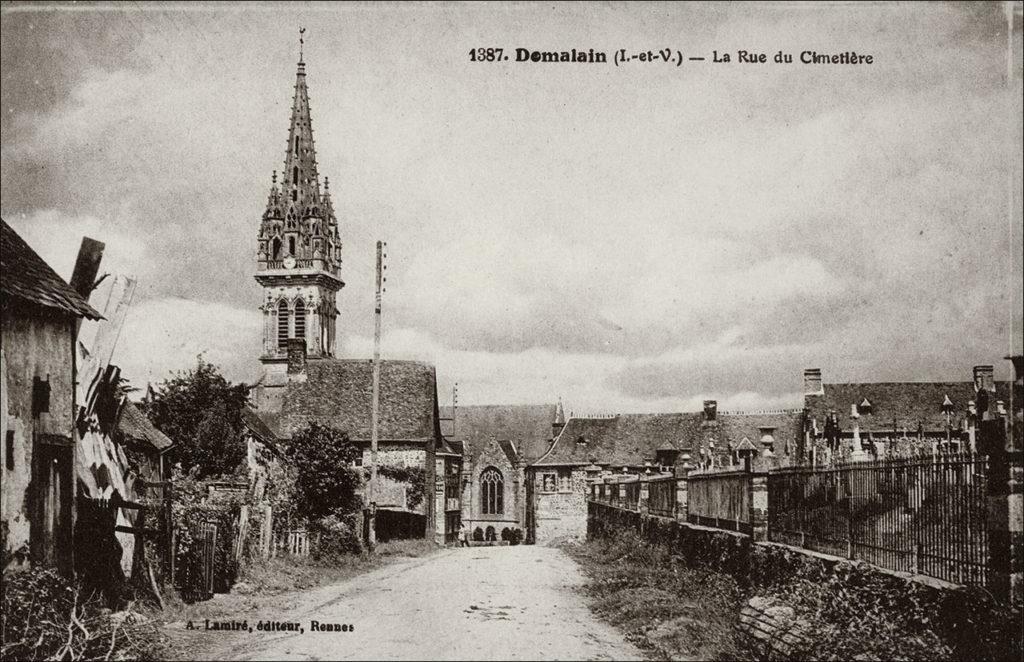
375	406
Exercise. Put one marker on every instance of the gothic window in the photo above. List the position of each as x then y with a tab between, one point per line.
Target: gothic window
492	489
296	144
276	249
282	325
300	319
291	245
295	175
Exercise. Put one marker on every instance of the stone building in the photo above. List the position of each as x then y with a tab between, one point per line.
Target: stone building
497	442
299	269
592	448
39	317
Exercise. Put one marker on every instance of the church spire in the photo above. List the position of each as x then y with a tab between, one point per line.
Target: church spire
300	180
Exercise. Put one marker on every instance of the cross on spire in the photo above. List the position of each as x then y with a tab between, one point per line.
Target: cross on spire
301	42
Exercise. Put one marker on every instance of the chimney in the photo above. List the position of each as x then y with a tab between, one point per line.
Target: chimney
87	265
710	409
296	356
984	378
812	382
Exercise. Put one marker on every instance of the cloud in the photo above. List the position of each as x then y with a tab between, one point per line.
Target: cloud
628	238
162	336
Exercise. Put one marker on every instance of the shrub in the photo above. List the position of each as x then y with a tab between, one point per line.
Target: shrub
338	537
325	478
515	536
45	616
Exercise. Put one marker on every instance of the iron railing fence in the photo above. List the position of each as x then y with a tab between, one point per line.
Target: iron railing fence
924	515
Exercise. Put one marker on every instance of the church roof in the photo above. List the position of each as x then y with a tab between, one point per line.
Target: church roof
27	276
526	426
905	403
338	392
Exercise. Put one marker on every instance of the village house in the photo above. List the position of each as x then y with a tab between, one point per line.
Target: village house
39	317
496	443
299	269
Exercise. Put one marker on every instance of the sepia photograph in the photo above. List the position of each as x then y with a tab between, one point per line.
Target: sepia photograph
512	330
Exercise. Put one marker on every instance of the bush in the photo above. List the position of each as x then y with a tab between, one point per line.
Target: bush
325	478
45	616
338	537
515	536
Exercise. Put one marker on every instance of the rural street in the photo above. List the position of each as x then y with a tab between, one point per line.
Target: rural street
470	603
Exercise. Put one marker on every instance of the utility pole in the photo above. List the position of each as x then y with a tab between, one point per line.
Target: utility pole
375	406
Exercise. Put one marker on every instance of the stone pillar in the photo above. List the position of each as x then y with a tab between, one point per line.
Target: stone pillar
266	531
758	486
645	493
1004	512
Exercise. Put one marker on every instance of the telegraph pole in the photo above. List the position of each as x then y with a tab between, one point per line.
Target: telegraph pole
375	406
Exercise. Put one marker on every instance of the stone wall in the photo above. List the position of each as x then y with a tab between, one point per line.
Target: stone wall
762	565
35	343
560	514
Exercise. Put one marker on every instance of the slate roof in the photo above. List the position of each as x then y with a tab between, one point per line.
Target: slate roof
28	277
258	426
906	402
627	439
526	426
136	427
632	439
338	392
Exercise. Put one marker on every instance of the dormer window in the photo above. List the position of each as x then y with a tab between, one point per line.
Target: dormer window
864	407
581	441
767	435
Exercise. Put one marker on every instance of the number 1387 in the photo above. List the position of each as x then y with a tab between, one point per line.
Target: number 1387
486	55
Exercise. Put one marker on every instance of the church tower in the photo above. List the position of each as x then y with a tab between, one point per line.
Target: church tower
299	250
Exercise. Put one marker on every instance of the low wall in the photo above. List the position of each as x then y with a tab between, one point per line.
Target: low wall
956	611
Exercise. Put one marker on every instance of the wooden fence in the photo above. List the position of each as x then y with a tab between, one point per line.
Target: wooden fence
720	499
661	496
291	542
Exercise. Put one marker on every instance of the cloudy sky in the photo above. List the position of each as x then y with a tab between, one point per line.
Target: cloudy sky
630	238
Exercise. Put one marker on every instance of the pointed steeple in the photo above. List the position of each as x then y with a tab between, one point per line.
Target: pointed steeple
300	180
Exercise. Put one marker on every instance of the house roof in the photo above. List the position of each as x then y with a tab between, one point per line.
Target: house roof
906	403
28	277
632	439
136	426
338	392
258	426
627	439
526	426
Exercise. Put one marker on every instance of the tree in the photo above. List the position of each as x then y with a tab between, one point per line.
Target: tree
201	412
326	479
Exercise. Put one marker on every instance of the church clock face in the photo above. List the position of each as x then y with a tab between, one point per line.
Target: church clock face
289	263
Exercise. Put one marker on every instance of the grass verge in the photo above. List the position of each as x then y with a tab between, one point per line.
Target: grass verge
665	608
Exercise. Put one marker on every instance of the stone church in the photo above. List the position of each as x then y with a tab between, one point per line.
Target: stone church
299	269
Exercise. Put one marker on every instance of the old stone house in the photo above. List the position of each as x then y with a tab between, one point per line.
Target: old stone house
39	317
299	270
497	442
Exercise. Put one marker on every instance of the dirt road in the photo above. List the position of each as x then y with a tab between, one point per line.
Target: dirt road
477	603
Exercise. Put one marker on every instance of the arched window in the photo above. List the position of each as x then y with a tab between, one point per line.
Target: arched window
291	245
300	319
492	489
282	325
295	175
296	144
275	249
